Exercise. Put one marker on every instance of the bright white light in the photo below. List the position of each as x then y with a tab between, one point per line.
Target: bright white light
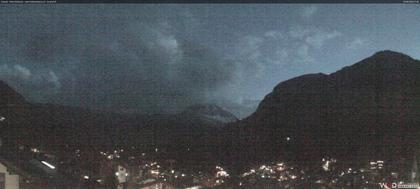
2	118
326	166
117	173
34	150
48	165
86	177
287	138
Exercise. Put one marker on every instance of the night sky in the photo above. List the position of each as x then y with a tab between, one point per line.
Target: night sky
161	58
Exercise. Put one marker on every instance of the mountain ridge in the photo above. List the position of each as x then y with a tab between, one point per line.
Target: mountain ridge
346	114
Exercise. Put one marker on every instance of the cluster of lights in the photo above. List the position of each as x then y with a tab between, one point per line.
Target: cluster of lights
77	152
221	173
35	150
177	174
379	164
326	163
279	172
115	155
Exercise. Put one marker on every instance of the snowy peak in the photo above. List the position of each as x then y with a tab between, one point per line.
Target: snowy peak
210	112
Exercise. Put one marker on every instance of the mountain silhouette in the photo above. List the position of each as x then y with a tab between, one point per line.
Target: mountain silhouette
368	110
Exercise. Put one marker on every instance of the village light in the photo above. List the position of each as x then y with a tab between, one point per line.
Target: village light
86	177
48	164
34	150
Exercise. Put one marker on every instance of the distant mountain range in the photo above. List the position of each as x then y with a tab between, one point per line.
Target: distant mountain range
240	109
368	110
211	113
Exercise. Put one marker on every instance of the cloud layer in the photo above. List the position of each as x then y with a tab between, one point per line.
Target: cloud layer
102	61
161	58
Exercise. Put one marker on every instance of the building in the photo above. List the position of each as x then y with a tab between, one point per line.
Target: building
8	179
122	176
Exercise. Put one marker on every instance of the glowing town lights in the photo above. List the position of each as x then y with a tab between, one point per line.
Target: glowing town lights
154	172
222	174
288	138
376	164
172	171
262	167
156	150
99	180
326	165
182	175
86	177
34	150
117	174
48	165
2	118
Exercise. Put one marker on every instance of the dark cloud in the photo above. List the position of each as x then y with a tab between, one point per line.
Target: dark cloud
137	61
